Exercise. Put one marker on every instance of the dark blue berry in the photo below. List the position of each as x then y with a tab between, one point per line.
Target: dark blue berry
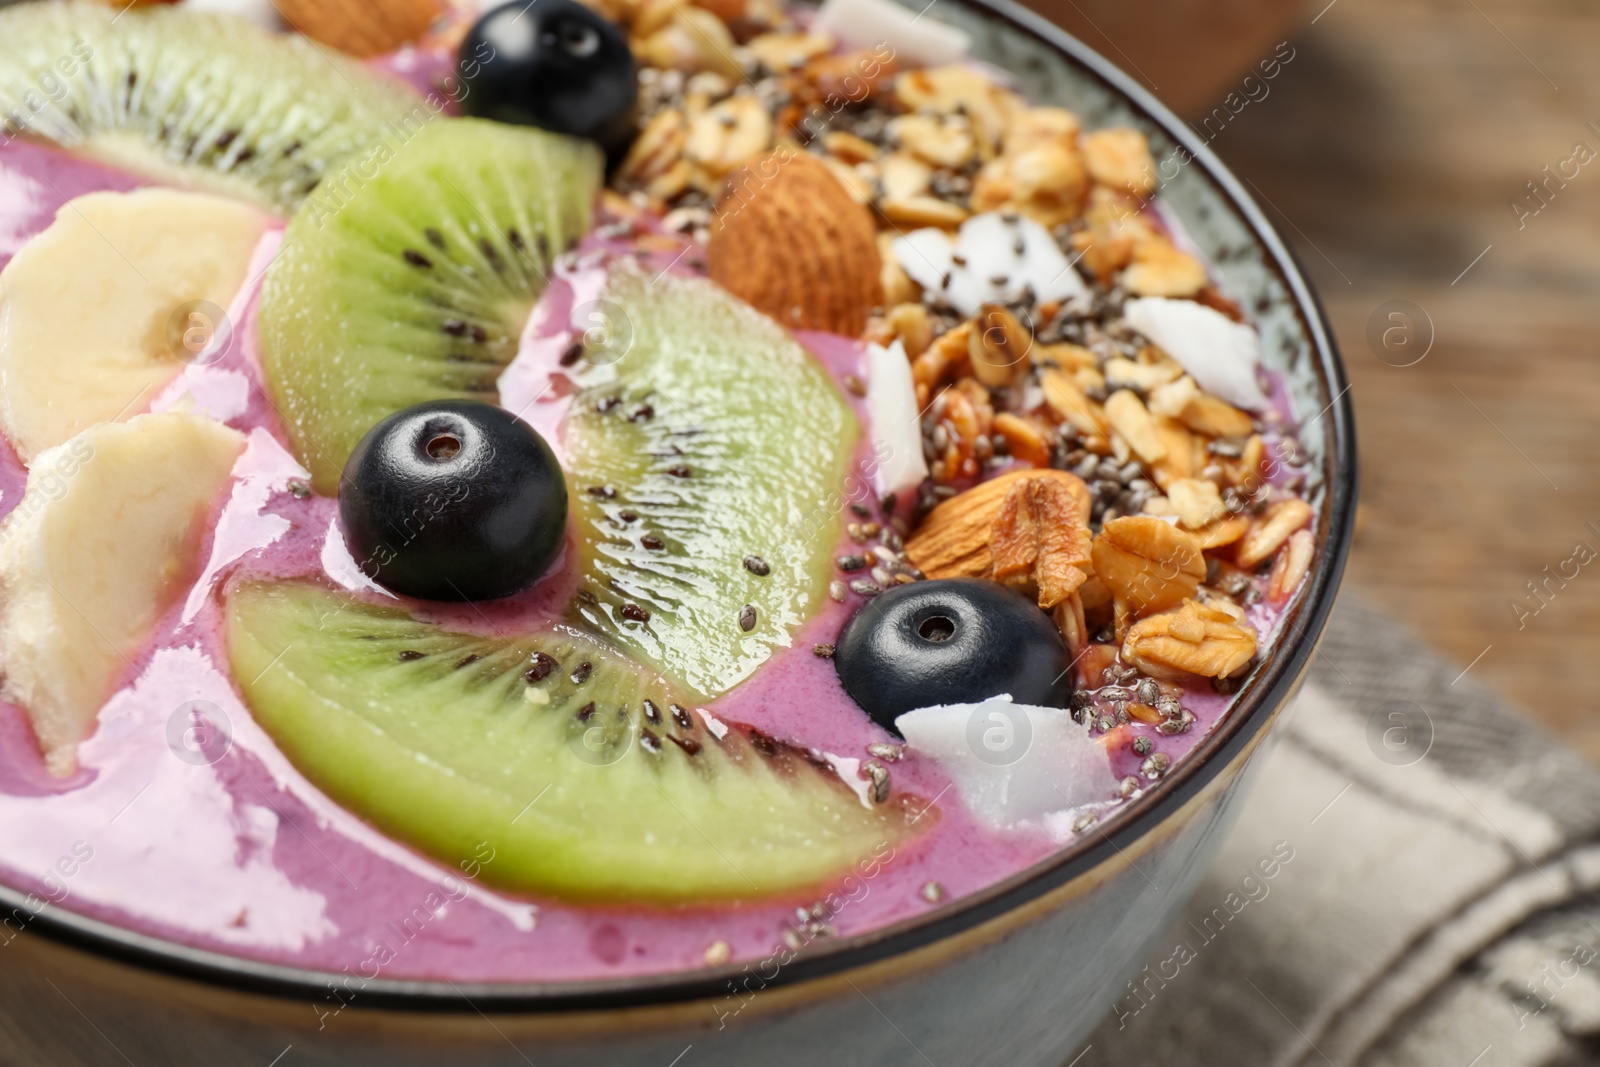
554	64
951	641
453	500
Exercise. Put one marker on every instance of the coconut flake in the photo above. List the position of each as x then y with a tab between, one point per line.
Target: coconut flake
995	258
1012	763
1220	355
917	41
896	422
261	12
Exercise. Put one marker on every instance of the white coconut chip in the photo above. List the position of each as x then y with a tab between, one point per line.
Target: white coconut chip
917	41
896	426
995	258
1220	355
1012	763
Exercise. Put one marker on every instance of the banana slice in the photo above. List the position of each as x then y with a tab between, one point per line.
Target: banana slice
104	541
98	312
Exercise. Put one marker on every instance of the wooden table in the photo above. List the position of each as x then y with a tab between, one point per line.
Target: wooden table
1391	152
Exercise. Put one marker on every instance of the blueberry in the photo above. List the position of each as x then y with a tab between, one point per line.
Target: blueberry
554	64
951	641
453	500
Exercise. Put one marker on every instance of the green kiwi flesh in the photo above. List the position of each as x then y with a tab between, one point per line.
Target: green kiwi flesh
590	778
192	99
409	277
703	434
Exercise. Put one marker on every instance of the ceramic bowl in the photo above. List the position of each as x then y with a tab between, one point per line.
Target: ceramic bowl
1017	974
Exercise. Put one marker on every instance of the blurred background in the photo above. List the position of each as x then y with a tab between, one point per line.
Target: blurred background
1428	161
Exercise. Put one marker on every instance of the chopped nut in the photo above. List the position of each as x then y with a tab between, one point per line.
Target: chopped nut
1195	639
695	39
729	134
923	211
1128	418
1215	418
941	142
1147	563
959	89
858	187
1072	404
1024	438
909	324
1159	269
1069	620
786	51
998	345
849	147
1185	453
898	288
1271	532
1035	124
1146	376
658	146
1066	356
1171	400
1223	532
1198	502
1291	566
903	175
1120	157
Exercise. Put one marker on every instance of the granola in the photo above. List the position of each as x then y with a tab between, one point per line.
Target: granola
1148	497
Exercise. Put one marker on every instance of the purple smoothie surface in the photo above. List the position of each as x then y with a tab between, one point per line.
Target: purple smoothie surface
186	823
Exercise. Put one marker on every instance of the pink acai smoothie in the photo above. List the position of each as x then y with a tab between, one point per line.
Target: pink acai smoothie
186	823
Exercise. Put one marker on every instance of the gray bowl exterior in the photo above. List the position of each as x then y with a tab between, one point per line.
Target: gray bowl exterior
1018	974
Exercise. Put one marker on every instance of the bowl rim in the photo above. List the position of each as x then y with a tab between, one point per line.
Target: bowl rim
1265	691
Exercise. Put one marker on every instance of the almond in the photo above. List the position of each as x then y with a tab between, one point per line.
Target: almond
361	27
1027	528
792	241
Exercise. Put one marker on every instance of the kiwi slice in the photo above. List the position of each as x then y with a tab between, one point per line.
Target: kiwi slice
414	280
193	99
589	778
704	434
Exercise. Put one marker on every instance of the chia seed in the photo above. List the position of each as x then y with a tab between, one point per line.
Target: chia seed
866	588
1142	746
823	651
932	892
299	489
1156	765
635	613
886	752
747	618
851	563
757	566
540	667
652	542
836	591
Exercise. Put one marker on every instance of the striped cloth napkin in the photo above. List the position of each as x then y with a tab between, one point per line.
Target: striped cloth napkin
1434	895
